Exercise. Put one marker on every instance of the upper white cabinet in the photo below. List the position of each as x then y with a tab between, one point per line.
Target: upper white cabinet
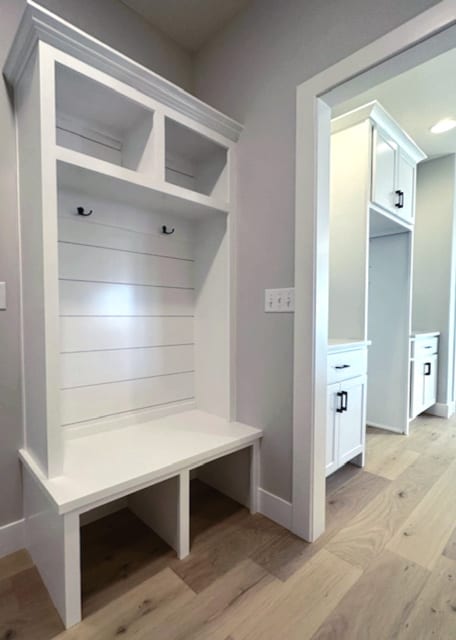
393	176
393	159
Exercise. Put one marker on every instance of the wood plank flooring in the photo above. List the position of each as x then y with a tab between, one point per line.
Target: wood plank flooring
385	567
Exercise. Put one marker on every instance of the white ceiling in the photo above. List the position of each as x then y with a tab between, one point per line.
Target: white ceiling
190	23
417	99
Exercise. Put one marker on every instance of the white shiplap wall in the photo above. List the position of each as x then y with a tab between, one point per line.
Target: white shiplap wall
127	307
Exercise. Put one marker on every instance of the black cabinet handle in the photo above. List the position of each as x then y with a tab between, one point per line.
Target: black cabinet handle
400	200
427	368
342	366
344	401
340	408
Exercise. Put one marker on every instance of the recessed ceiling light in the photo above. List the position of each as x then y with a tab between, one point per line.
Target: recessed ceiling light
443	125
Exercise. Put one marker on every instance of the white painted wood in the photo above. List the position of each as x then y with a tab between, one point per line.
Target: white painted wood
121	461
159	507
212	318
81	172
275	508
119	225
346	364
78	262
349	192
80	231
430	33
90	403
53	542
38	22
406	172
332	430
232	476
104	510
102	299
422	346
12	537
352	422
184	515
384	151
424	373
390	259
127	332
101	367
37	190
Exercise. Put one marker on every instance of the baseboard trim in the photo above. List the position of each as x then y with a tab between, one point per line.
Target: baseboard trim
442	410
12	537
275	508
385	427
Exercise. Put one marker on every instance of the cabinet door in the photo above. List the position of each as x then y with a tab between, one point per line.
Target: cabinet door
384	171
417	387
334	403
352	421
406	187
430	382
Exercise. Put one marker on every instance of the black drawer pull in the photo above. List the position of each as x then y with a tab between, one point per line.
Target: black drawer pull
427	368
344	401
340	408
400	201
342	366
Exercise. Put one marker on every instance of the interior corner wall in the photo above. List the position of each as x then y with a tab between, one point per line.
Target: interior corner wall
434	267
250	71
116	25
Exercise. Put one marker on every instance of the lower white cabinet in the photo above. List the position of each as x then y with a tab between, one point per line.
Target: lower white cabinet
346	419
424	372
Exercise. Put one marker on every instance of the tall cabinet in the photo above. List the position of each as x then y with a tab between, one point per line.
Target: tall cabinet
126	188
372	208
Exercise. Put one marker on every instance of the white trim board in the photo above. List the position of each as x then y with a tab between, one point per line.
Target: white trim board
12	537
275	508
442	410
430	33
40	24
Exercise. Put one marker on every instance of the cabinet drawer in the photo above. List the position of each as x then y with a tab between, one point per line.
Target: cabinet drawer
423	347
346	364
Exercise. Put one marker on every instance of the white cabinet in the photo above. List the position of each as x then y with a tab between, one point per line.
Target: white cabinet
393	176
424	373
346	419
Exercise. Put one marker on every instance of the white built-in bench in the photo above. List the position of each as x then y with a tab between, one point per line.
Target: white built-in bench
149	462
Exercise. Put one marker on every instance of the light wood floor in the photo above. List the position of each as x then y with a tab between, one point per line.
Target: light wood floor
384	569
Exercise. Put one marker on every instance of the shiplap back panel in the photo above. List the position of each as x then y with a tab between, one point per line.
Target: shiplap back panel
127	305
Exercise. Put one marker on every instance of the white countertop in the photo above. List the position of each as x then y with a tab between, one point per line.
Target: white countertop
424	334
344	344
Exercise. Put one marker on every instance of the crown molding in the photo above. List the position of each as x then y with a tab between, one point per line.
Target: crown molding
40	25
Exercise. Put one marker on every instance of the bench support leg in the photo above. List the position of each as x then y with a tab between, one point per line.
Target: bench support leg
164	507
254	475
53	542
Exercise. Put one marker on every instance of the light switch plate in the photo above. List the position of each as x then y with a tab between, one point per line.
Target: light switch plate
2	296
279	300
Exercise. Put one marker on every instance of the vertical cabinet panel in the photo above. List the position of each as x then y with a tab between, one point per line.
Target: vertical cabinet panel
430	381
331	428
406	183
384	171
352	421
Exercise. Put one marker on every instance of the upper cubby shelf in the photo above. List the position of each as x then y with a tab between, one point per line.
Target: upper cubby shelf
96	120
195	162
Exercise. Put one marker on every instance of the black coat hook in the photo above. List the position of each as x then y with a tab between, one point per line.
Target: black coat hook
166	232
82	212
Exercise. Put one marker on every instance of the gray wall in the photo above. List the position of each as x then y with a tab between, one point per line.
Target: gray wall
251	71
434	263
116	25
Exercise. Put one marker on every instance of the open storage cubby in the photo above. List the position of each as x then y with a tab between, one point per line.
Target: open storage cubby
194	161
95	120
